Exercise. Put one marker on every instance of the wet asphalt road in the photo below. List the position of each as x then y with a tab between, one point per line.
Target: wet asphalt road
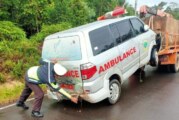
157	98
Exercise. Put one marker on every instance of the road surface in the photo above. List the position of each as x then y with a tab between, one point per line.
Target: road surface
157	98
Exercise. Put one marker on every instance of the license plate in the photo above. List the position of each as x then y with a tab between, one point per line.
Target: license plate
67	86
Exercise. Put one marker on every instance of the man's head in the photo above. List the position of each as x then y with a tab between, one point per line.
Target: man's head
59	69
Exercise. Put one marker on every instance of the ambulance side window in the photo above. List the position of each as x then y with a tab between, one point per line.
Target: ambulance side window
125	30
101	40
138	26
115	33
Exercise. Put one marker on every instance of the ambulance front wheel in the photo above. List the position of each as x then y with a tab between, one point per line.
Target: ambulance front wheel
154	58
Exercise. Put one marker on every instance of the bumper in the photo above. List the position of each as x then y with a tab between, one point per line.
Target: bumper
99	95
55	96
95	97
52	95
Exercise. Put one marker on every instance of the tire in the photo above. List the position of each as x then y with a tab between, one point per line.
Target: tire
115	91
158	41
154	61
175	67
163	68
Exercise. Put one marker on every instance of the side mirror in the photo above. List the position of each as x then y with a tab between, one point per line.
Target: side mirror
146	28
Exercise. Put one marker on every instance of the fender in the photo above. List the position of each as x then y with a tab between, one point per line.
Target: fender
114	71
147	59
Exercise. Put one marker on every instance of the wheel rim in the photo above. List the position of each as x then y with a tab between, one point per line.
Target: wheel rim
114	91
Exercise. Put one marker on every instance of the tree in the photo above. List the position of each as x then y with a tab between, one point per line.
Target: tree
80	13
9	10
130	9
102	6
29	14
173	9
161	5
75	11
33	12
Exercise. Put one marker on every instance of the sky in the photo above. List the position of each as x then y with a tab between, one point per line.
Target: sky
149	2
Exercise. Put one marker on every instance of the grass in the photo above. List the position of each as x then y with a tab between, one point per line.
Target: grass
10	92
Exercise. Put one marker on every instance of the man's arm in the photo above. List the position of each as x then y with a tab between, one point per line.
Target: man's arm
56	87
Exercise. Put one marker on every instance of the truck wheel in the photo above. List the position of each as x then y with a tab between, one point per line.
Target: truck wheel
163	68
175	67
115	91
154	58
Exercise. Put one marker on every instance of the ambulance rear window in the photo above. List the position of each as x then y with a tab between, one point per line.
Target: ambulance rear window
64	48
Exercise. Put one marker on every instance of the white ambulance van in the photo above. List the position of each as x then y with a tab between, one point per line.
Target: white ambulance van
100	56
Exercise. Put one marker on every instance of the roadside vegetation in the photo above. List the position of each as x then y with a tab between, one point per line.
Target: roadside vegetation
18	53
25	24
10	92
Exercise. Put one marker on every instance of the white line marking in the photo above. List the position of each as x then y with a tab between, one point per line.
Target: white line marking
11	105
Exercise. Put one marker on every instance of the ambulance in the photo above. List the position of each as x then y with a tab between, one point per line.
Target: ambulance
100	56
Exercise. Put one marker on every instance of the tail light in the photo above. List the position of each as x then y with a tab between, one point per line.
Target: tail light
87	70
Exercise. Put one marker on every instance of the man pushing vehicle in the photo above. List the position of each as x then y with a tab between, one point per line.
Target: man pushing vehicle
44	74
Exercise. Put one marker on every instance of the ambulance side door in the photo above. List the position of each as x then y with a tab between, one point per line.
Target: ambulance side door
142	36
128	48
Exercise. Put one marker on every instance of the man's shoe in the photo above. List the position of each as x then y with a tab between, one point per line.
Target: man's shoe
23	105
37	114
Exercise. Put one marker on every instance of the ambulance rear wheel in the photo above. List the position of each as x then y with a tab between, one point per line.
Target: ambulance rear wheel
175	67
115	91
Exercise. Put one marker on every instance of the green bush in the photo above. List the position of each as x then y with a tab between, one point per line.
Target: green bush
8	66
18	56
10	92
2	78
18	69
6	47
9	31
50	29
29	55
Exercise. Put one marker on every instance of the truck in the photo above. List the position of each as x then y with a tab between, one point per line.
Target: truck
167	30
